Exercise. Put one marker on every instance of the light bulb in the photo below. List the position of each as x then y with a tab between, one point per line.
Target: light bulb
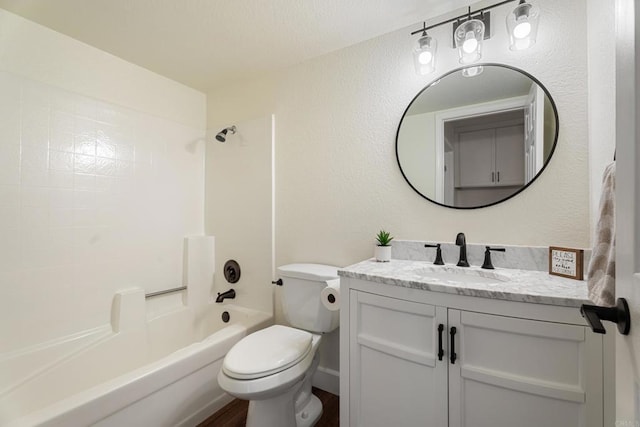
425	57
522	30
470	44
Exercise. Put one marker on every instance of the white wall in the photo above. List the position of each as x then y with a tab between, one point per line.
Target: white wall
337	180
239	209
601	90
38	53
336	121
101	177
336	146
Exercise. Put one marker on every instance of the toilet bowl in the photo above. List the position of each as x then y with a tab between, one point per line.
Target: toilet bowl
273	367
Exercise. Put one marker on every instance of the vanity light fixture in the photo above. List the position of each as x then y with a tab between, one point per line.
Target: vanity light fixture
522	25
471	29
424	54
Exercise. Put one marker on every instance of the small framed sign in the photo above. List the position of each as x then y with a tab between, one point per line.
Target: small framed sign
566	262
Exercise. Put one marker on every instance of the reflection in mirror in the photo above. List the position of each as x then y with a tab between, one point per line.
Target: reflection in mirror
469	142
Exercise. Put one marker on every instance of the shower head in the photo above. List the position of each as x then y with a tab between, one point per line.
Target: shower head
222	135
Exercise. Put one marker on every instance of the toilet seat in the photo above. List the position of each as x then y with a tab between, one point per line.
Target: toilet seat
270	385
267	352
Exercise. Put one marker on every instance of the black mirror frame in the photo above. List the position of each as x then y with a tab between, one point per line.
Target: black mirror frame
515	193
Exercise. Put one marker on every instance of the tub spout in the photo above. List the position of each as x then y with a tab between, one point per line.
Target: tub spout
229	294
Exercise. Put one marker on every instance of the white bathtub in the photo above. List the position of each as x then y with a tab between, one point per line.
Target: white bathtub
139	371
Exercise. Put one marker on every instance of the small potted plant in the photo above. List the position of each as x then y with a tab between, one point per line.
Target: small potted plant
383	248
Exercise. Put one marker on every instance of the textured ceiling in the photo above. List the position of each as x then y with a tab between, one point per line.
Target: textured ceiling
204	43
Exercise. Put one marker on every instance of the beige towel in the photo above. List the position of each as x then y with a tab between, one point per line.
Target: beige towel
602	267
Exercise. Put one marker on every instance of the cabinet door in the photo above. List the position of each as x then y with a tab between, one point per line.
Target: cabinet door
476	157
525	373
510	155
395	376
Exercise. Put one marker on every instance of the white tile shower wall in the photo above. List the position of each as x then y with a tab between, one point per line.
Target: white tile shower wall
93	197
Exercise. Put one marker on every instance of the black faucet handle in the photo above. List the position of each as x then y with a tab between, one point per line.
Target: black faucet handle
487	256
438	260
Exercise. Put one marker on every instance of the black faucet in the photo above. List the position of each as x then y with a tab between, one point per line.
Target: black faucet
462	242
229	294
487	256
438	260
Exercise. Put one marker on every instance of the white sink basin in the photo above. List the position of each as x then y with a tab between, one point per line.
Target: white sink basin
461	274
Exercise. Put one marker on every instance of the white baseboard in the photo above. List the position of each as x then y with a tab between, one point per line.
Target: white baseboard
327	379
206	411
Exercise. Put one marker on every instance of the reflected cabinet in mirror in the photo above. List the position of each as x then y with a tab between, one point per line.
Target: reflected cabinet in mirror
477	136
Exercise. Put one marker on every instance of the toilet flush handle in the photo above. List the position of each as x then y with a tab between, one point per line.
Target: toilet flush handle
277	282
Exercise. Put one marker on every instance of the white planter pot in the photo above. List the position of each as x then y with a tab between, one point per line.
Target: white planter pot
383	253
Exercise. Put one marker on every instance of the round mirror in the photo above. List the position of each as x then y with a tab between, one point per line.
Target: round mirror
477	136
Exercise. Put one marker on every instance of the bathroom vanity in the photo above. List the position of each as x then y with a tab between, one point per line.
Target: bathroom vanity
426	345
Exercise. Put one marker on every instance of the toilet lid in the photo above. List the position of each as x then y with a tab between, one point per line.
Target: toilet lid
266	352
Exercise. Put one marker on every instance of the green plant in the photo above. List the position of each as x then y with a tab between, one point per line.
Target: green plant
384	238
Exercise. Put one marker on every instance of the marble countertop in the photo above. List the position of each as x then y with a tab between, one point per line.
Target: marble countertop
502	283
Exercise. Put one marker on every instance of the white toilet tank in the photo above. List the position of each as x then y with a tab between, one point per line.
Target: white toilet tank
301	287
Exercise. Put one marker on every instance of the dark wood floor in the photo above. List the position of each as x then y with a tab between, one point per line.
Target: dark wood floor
235	413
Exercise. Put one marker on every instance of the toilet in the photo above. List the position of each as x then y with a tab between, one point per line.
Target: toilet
273	367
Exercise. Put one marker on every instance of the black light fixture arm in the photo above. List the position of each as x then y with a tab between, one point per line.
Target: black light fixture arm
457	18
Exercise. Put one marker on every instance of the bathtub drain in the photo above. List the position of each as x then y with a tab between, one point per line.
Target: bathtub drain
226	316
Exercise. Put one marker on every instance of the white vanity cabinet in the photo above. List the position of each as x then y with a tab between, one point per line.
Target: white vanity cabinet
395	372
420	358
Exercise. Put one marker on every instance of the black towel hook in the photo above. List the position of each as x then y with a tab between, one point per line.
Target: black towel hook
619	314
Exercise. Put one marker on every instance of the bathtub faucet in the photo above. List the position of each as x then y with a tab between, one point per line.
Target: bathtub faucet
229	294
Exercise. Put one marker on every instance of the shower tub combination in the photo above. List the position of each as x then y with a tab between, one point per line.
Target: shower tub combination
158	371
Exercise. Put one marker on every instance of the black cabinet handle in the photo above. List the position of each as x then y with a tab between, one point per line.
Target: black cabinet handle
453	345
440	349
